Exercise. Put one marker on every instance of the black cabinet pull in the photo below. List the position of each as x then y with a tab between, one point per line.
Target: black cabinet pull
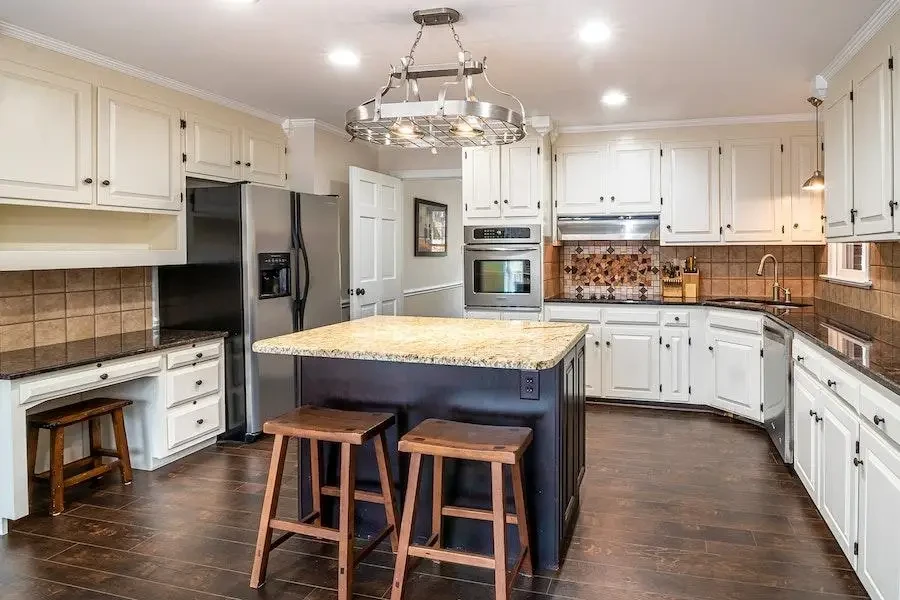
878	420
199	382
799	358
857	462
815	415
199	421
832	383
104	376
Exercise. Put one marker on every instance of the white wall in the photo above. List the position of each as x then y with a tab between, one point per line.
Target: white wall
393	160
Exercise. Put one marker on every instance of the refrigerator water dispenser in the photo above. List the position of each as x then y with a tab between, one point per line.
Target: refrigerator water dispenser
274	275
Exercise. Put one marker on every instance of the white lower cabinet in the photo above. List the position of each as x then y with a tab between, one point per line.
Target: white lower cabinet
878	564
838	479
593	361
674	369
737	372
631	362
806	424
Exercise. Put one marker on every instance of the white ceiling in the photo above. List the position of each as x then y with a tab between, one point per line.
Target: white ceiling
677	59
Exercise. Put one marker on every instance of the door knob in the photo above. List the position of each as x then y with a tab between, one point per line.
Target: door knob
349	291
104	182
878	420
88	181
360	292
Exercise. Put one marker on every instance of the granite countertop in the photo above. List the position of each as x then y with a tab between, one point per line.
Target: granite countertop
460	342
16	364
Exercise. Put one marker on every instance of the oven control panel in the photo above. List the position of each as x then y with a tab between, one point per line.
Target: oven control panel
520	234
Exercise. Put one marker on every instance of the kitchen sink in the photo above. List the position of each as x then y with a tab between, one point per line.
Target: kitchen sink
759	302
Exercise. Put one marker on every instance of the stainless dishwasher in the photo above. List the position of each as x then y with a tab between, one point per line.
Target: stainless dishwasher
778	401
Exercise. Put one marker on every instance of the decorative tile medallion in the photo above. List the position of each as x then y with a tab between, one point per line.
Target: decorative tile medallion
611	269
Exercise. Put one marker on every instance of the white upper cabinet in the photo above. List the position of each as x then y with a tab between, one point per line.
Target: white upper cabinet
805	223
838	155
737	373
138	152
520	188
481	183
872	149
631	362
751	190
674	372
581	182
46	130
878	564
212	148
690	192
633	176
264	159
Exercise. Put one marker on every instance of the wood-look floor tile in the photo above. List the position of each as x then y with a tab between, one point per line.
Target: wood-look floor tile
71	528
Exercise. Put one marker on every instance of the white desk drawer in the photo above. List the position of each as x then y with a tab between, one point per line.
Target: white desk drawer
676	319
807	357
190	422
873	404
195	354
573	312
624	316
79	379
192	381
841	381
735	321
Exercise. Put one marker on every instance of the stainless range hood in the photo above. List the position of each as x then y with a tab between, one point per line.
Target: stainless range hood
622	227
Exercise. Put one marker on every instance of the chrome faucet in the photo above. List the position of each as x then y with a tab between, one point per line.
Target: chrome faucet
776	287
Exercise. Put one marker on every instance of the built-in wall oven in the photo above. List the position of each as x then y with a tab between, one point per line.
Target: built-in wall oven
502	267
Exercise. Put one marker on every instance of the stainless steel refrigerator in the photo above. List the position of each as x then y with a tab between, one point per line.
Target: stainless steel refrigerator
261	262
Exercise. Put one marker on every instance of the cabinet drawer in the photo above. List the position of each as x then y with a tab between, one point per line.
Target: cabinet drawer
872	404
676	319
625	316
571	312
843	383
807	357
190	422
192	382
735	321
194	354
71	381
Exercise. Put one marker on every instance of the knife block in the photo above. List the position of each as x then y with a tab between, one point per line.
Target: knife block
691	285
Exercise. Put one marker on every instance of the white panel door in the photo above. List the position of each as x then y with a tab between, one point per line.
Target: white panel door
838	126
593	361
751	190
674	372
737	373
806	427
213	148
690	192
520	180
481	183
264	159
581	185
376	209
839	480
138	152
631	363
873	159
878	564
46	133
634	174
805	222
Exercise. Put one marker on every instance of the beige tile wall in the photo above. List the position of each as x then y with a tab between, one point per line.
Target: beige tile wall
552	264
884	269
40	308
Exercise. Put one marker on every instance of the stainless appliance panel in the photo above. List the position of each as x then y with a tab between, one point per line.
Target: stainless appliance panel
777	388
503	276
319	281
623	227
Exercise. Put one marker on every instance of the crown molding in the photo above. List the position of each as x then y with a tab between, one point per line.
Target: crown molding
317	123
863	35
43	41
710	122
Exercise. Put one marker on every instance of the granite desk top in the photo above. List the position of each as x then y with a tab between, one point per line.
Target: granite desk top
16	364
523	345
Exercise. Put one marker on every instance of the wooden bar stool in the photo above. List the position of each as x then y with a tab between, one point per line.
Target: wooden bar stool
56	421
350	429
496	445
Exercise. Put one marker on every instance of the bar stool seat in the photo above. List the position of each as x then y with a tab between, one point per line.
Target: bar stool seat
498	446
350	429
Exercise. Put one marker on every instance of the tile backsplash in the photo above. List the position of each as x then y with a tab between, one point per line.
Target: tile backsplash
884	271
610	269
40	308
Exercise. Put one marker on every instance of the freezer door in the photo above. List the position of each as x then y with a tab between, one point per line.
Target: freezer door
271	389
320	261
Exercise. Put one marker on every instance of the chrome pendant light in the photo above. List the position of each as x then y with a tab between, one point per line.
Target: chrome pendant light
412	122
816	183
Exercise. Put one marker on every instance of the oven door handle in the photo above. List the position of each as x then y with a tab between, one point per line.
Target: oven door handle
501	248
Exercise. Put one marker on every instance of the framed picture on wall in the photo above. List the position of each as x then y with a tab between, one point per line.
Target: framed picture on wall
431	228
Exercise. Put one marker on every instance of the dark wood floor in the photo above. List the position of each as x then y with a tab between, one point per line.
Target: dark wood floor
675	506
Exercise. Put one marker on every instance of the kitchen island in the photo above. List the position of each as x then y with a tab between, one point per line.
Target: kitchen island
509	373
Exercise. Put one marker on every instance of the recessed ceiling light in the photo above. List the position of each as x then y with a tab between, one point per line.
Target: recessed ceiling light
343	57
614	98
594	32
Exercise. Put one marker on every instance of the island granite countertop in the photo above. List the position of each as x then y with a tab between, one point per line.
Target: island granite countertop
524	345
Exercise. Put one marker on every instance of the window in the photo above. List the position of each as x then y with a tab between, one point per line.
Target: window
849	263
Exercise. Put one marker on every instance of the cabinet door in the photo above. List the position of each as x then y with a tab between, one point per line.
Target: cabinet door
838	155
872	150
264	159
634	174
737	373
138	152
47	127
690	192
580	180
520	180
674	372
481	183
806	426
593	363
839	480
212	148
805	223
631	363
878	564
751	190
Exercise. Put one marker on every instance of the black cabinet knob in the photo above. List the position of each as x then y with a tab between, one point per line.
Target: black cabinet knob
104	182
237	162
612	198
857	462
878	420
728	226
710	348
496	202
506	202
104	376
608	344
198	382
668	345
199	355
677	319
669	227
199	421
88	181
247	164
360	292
796	225
601	198
597	343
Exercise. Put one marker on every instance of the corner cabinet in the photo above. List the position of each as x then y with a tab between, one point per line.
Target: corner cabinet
505	183
751	190
690	193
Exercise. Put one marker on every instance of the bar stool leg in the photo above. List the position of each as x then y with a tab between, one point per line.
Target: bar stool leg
315	480
499	520
33	433
346	524
270	506
118	419
57	470
96	442
387	489
409	519
437	502
522	516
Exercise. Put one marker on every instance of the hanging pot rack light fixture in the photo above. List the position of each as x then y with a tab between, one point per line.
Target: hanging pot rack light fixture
816	183
441	123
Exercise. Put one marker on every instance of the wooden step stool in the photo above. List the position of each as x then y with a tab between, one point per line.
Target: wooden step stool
56	421
496	445
350	429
